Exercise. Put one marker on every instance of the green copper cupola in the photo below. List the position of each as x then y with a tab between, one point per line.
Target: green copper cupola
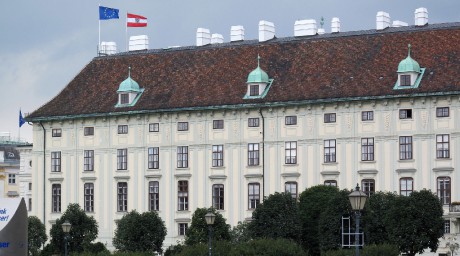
258	83
409	73
129	92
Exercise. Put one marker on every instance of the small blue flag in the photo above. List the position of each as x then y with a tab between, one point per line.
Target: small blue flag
106	13
21	119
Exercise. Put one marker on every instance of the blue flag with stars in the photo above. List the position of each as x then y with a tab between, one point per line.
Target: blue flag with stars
106	13
21	119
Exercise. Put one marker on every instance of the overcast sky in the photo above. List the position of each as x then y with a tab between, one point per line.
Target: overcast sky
45	44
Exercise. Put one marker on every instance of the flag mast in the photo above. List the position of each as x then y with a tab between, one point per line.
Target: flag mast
99	42
126	31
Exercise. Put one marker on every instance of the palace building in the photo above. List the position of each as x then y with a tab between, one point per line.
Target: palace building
226	124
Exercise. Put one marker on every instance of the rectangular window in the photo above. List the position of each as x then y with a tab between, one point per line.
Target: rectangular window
442	146
367	115
154	127
367	149
56	132
442	112
290	120
122	196
123	129
444	189
253	195
217	155
122	159
11	178
406	186
291	152
254	90
154	196
368	186
332	183
329	151
182	157
124	98
182	126
329	118
253	154
88	160
218	196
29	208
88	131
154	157
218	124
446	226
89	197
182	195
56	161
405	114
291	188
253	122
30	186
56	198
405	147
183	228
404	80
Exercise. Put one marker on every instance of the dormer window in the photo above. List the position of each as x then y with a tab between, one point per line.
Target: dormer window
258	83
128	92
409	73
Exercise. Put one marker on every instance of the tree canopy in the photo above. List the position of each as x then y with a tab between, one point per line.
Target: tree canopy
36	235
198	230
137	232
374	214
277	217
84	230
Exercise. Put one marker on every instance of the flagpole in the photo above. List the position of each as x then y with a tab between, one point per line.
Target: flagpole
99	42
19	130
126	32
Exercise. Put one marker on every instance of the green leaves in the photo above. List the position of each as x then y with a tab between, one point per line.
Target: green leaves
36	235
198	231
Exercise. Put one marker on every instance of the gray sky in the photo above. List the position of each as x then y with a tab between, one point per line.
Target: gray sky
45	44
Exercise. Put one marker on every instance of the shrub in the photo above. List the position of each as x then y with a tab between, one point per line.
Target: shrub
368	250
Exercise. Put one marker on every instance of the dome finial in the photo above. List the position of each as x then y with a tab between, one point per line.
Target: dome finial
258	60
408	46
129	71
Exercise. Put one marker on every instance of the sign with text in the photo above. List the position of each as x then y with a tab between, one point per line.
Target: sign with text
13	226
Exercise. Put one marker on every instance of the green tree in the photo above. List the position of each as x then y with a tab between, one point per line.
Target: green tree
374	213
137	232
312	202
240	233
277	217
415	223
84	230
198	231
36	235
330	221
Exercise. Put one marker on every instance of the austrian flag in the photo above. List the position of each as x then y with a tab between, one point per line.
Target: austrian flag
134	20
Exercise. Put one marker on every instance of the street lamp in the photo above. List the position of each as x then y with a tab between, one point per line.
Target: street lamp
210	218
66	226
357	200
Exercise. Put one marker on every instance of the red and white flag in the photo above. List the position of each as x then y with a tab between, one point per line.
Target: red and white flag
134	20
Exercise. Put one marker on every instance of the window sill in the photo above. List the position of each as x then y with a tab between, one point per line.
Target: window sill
218	167
253	166
406	160
444	159
331	163
287	165
368	162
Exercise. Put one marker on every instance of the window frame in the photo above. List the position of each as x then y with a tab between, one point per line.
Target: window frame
368	186
330	118
367	149
122	159
154	195
442	112
153	158
404	189
122	196
88	190
217	155
56	133
182	195
444	189
56	193
254	90
405	80
367	116
253	154
122	129
88	131
253	122
218	196
56	161
182	126
442	146
182	228
290	120
88	160
330	151
330	183
405	148
182	157
405	113
154	127
253	195
124	98
218	124
290	152
446	226
291	187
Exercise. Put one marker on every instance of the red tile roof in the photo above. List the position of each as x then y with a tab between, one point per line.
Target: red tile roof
340	66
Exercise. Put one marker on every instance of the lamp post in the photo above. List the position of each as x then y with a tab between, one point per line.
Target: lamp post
210	218
357	200
66	226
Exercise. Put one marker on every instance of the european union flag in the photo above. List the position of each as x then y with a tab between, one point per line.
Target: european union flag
21	119
106	13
